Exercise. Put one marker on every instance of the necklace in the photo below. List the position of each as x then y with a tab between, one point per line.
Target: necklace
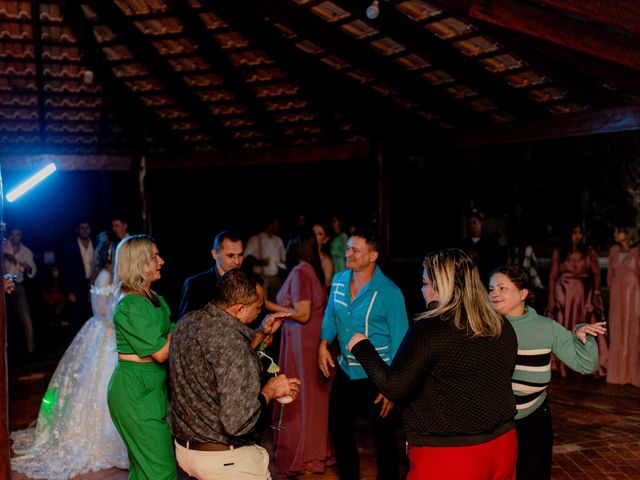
153	298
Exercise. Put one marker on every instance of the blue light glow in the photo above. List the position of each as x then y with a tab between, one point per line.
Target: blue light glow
30	183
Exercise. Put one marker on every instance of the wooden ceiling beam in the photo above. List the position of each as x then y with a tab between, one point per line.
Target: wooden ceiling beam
134	116
271	156
466	70
376	115
67	162
595	122
144	53
622	14
562	30
209	49
361	56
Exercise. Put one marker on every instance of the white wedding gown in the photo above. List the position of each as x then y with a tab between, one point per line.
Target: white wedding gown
74	433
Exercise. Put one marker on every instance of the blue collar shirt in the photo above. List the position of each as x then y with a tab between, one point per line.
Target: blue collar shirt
378	311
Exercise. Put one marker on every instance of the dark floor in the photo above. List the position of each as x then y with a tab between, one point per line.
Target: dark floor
597	425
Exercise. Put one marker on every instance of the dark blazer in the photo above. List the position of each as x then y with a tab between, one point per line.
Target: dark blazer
198	290
487	254
73	271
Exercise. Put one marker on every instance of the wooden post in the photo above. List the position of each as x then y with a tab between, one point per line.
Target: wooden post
5	451
144	204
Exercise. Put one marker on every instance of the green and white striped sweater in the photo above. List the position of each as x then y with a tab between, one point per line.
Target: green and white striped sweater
538	337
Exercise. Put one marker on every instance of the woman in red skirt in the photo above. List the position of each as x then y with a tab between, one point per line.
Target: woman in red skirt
452	376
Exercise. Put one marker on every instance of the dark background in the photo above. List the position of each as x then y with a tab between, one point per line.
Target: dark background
556	184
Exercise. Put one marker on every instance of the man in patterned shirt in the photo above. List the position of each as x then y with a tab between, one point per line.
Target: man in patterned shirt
216	396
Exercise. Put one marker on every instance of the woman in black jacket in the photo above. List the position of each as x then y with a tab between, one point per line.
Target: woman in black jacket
452	377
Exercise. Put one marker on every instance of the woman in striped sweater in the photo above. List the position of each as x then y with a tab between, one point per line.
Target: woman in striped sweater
538	337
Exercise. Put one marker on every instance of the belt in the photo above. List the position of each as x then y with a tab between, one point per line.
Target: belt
204	446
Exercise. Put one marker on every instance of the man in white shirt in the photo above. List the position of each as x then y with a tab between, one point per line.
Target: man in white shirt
78	267
267	250
18	261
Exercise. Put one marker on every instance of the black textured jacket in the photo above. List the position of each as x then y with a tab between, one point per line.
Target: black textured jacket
454	390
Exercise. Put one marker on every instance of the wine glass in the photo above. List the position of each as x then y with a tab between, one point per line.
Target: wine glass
274	369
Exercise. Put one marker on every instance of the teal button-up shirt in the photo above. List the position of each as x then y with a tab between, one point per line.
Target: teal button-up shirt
378	312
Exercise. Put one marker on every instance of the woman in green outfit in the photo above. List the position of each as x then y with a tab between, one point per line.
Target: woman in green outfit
511	292
137	395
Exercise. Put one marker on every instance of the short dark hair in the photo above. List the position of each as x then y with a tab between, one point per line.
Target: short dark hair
224	235
520	277
237	287
371	238
475	213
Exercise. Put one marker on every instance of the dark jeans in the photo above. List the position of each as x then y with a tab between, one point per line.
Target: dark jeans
348	399
535	445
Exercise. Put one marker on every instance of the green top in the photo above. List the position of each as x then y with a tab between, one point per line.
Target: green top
140	327
338	248
538	337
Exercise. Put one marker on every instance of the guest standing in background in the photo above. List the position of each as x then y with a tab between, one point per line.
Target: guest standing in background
323	239
338	244
484	249
452	375
137	395
623	278
18	261
574	285
511	291
78	266
304	443
227	254
265	252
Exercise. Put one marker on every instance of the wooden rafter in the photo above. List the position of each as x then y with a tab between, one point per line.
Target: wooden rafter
116	95
323	83
272	156
558	29
146	54
215	56
381	67
596	122
621	14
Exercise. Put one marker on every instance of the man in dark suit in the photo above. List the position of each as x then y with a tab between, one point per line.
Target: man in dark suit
227	253
78	267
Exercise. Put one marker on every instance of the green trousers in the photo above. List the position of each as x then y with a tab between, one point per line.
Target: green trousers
137	399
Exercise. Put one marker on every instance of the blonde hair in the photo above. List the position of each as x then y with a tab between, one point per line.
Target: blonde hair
132	254
463	297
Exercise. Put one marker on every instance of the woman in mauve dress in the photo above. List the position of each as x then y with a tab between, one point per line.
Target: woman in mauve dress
303	445
574	287
623	277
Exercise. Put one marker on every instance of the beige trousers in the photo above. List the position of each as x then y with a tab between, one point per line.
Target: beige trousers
242	463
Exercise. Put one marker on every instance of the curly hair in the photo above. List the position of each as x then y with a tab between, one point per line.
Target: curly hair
520	277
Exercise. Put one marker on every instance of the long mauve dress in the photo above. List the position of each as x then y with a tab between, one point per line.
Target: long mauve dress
574	289
574	295
304	445
623	277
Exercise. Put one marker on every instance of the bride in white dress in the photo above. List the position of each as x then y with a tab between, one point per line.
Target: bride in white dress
74	433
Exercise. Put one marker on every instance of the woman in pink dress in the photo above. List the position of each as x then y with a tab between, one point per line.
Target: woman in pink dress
574	286
303	444
623	277
322	237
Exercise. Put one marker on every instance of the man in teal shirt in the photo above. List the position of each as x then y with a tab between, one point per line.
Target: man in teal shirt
362	299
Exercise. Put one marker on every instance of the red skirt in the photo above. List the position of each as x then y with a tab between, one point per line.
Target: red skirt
494	460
